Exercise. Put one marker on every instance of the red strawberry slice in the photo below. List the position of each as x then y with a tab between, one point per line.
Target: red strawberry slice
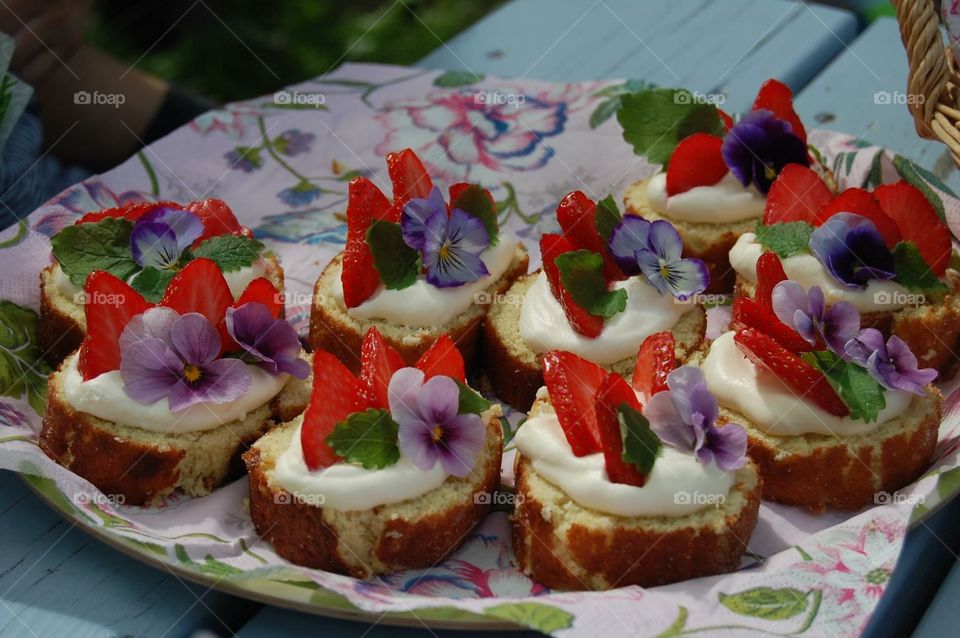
748	313
551	247
378	362
769	274
335	396
577	215
614	392
262	290
218	219
775	96
656	359
199	287
132	211
863	203
442	358
109	305
918	222
805	380
410	180
573	383
726	119
696	161
797	194
365	203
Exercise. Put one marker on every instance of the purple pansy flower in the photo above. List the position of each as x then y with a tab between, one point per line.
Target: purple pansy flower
413	221
758	147
654	249
293	142
852	250
430	428
160	237
270	343
806	312
181	365
685	417
892	364
302	194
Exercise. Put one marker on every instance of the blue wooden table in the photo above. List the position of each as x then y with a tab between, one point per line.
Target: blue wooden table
56	580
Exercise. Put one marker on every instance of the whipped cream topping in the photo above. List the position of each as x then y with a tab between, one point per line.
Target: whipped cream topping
807	270
349	487
675	475
237	280
724	202
423	305
544	325
103	397
772	406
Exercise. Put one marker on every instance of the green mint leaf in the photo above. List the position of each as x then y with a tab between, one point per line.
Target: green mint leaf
368	438
477	201
654	121
470	400
581	272
397	264
22	369
784	238
607	218
641	445
152	283
858	390
912	270
104	245
230	252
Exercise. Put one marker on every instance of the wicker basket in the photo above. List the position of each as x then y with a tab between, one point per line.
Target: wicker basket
933	74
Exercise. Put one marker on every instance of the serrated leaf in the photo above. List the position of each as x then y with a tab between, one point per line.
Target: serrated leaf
152	283
22	370
913	272
230	252
655	120
641	445
767	603
607	217
539	616
449	79
104	245
470	400
397	264
368	438
785	238
581	272
861	393
476	201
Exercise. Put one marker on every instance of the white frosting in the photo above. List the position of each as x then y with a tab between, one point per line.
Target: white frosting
349	487
544	326
772	406
423	305
675	474
103	397
724	202
237	280
807	270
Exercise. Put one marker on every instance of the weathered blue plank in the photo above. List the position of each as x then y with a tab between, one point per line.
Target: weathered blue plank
55	580
708	46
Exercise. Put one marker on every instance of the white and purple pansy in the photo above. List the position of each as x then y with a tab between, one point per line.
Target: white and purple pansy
890	362
269	342
806	312
161	237
852	250
654	249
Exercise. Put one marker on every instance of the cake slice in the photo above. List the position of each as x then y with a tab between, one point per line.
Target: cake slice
356	486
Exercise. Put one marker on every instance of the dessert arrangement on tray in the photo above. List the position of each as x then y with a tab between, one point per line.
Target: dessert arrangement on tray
725	374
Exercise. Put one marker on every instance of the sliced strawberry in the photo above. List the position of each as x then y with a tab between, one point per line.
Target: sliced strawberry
262	290
656	359
863	203
378	362
365	203
573	383
577	215
726	119
410	180
218	219
443	359
336	395
769	274
797	194
614	392
775	96
805	380
918	222
749	313
551	247
132	211
199	287
696	161
109	305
